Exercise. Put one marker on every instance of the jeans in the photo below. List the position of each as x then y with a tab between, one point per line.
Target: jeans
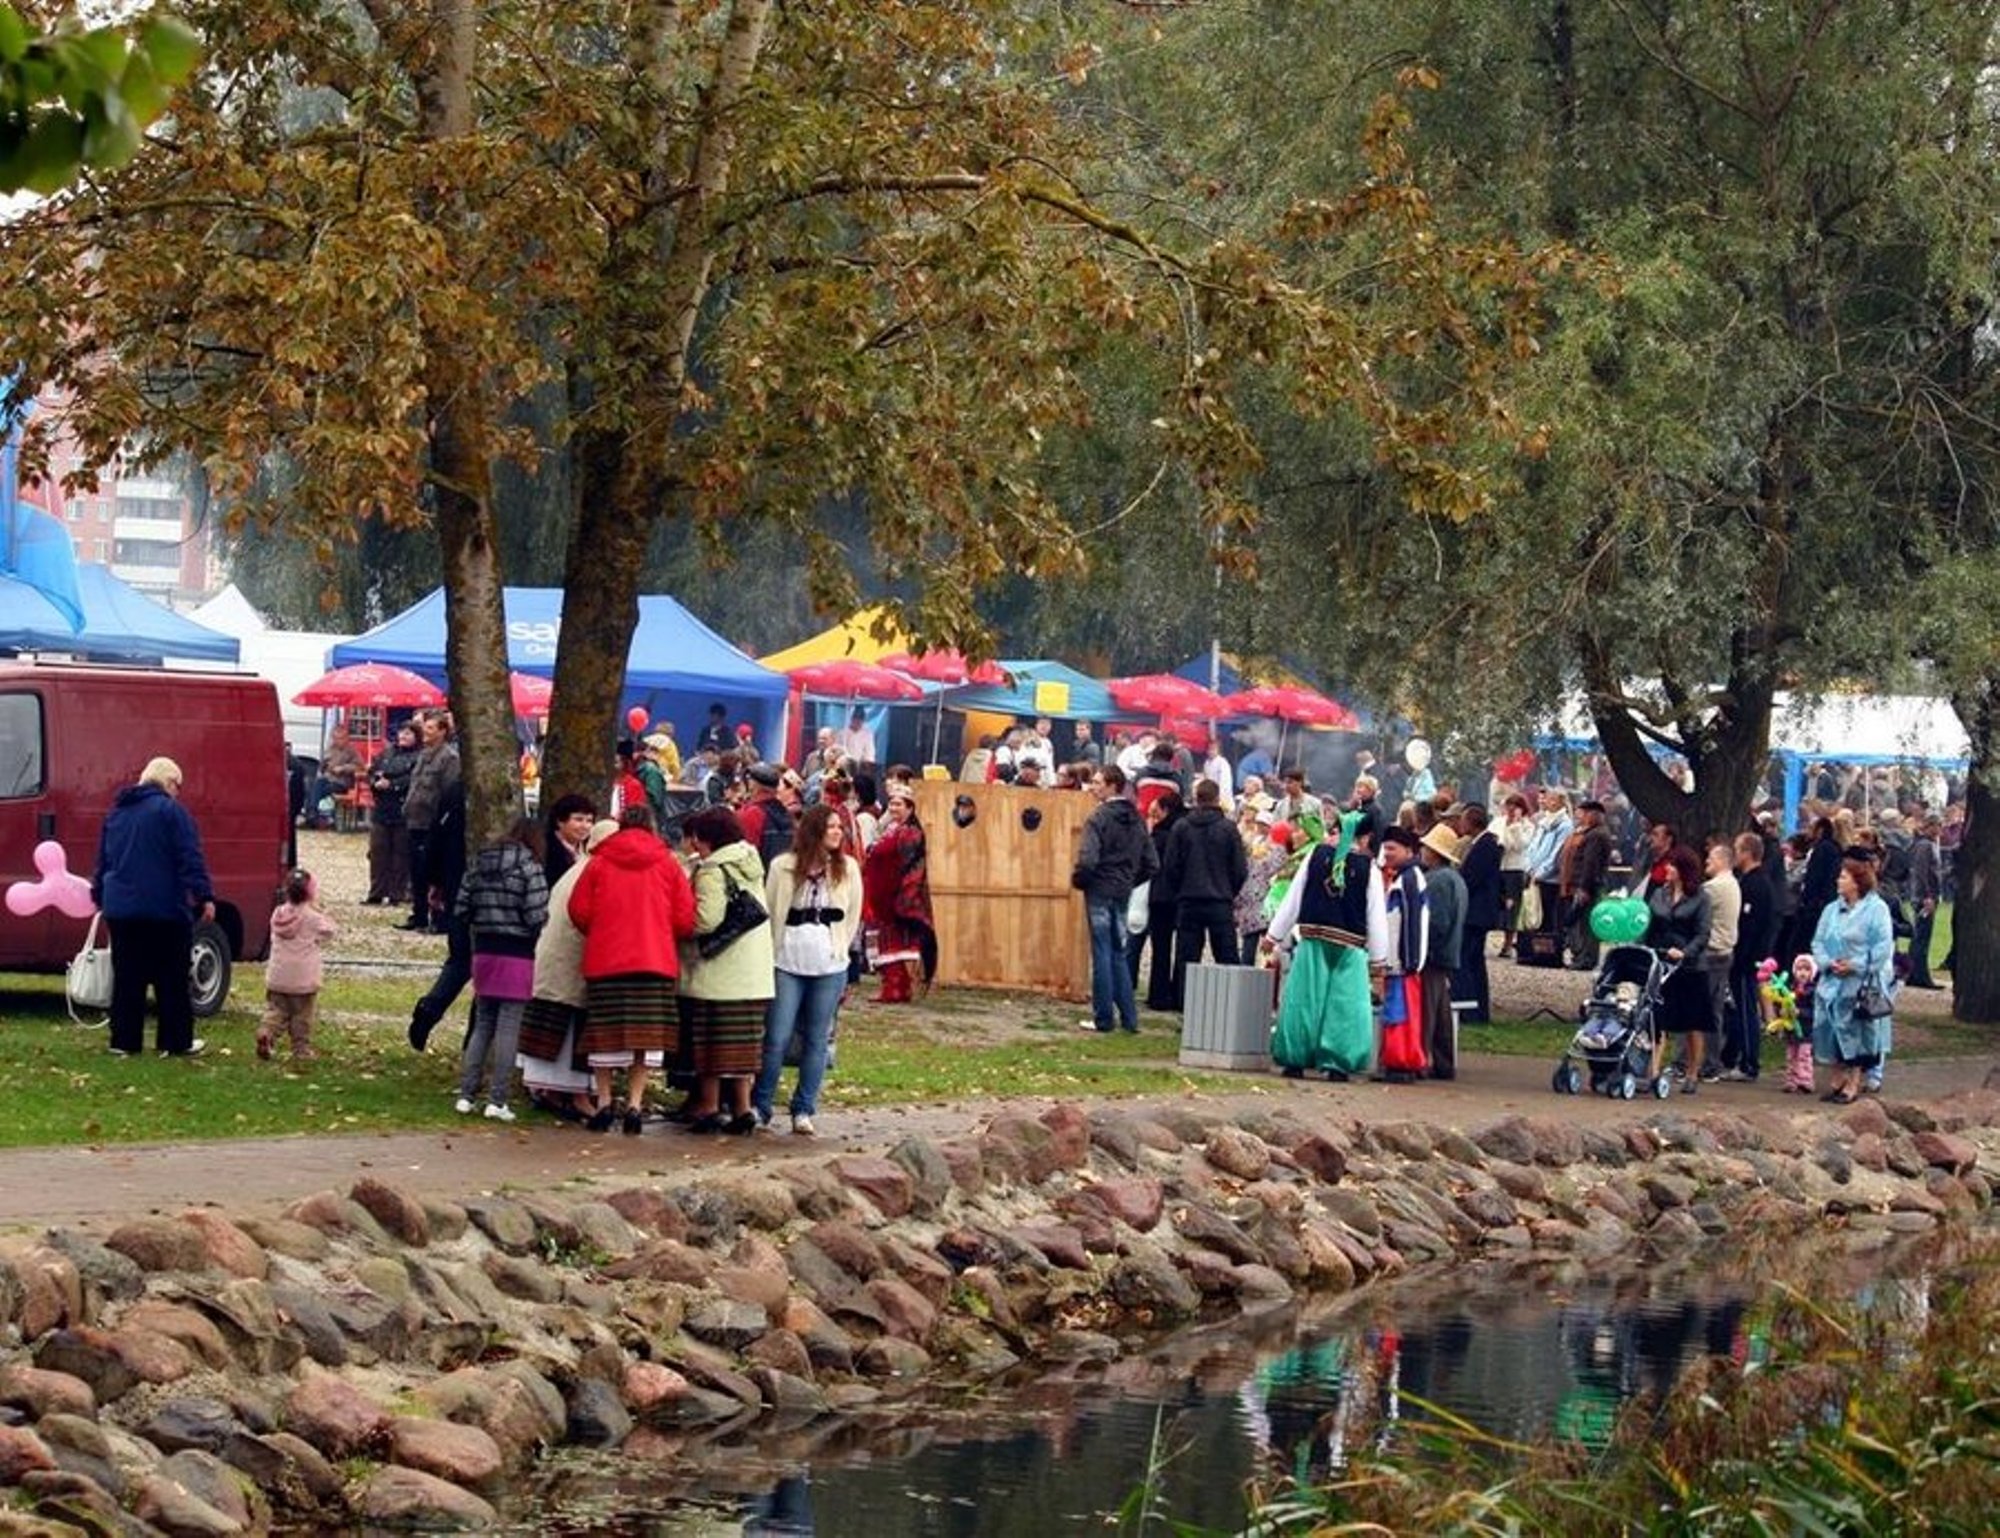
490	1045
1111	991
800	1004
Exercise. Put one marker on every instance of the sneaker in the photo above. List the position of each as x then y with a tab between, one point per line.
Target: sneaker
1093	1028
802	1126
463	1106
119	1052
194	1048
498	1113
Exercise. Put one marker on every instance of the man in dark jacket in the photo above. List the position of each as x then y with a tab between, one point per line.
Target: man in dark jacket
436	773
1756	933
1479	868
1585	870
1206	864
1926	890
150	881
1116	855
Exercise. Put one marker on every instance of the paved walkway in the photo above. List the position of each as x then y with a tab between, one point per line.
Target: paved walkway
98	1187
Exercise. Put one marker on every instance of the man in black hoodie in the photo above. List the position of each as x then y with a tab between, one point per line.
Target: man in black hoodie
1206	865
1117	854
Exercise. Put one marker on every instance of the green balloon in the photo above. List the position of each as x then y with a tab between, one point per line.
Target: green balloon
1619	920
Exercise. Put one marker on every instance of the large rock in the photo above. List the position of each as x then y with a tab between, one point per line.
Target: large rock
597	1417
311	1322
228	1247
465	1455
1137	1201
650	1386
182	1423
929	1171
400	1212
886	1184
106	1275
218	1487
856	1251
113	1362
284	1236
906	1313
1068	1126
338	1217
726	1323
505	1222
170	1507
410	1498
1946	1151
20	1451
1017	1149
1146	1285
1236	1152
648	1210
335	1417
160	1244
664	1260
45	1393
185	1326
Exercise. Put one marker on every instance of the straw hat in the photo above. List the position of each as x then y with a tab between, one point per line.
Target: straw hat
1441	840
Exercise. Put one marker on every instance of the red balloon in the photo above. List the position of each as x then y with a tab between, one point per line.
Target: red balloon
636	718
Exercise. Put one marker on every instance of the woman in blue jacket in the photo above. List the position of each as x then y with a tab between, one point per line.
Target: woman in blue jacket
1854	944
150	884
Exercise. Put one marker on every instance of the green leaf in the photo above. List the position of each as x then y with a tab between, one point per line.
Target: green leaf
13	35
101	56
110	134
49	156
142	89
173	47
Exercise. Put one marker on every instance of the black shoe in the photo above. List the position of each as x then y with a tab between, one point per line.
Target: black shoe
1295	1073
415	926
600	1120
634	1120
709	1125
422	1023
1335	1076
743	1125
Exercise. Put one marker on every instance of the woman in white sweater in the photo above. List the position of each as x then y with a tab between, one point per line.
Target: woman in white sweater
814	895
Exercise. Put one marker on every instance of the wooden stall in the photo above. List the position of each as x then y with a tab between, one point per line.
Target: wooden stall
1007	916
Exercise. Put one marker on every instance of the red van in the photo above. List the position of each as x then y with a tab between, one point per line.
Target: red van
73	735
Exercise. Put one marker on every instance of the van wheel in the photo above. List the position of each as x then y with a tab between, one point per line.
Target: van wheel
208	970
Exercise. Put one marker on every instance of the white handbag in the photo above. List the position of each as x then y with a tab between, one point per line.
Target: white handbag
88	980
1139	909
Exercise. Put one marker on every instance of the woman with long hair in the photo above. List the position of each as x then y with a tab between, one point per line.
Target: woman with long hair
896	882
504	900
1162	908
814	896
726	983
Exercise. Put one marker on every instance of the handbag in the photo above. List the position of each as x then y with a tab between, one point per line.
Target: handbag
1529	914
87	982
741	913
1871	1003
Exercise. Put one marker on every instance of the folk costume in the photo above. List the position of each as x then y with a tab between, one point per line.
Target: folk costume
895	885
1336	910
1403	1051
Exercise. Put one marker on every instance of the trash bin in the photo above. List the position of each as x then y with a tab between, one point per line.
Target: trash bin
1226	1017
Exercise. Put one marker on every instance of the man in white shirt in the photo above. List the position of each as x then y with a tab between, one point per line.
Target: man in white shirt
855	739
1134	758
1215	767
1037	748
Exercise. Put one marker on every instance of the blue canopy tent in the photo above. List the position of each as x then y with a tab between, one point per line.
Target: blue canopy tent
676	668
1041	689
120	624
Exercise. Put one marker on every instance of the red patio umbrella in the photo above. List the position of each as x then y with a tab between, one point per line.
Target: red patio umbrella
850	680
945	667
369	683
1303	707
531	693
1165	694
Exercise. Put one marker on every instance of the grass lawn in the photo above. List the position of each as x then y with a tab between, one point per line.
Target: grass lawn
64	1087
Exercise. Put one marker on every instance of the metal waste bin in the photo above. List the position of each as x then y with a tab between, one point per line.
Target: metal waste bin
1226	1017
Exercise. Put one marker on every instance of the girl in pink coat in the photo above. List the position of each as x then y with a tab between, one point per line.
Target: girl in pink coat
299	932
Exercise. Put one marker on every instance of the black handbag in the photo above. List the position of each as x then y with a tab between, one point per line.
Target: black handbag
1871	1003
741	913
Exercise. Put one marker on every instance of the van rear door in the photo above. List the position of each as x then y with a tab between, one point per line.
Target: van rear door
26	818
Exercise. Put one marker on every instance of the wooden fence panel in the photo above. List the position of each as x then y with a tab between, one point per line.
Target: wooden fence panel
1007	916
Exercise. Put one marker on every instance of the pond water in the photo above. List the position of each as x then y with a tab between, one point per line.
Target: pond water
1522	1353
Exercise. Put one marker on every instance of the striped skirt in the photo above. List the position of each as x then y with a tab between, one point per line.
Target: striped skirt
628	1014
725	1037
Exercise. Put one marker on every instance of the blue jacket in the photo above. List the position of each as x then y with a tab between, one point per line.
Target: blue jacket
149	863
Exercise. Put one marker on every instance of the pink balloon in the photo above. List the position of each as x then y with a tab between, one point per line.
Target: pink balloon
58	889
636	718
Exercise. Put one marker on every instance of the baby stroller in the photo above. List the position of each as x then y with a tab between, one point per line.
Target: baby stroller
1614	1044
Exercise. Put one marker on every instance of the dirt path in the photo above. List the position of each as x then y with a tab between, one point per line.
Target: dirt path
98	1187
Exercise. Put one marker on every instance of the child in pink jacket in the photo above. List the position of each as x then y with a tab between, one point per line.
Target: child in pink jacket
299	932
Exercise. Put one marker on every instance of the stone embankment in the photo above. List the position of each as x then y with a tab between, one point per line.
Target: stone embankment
375	1358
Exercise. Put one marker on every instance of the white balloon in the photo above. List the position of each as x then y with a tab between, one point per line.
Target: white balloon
1418	754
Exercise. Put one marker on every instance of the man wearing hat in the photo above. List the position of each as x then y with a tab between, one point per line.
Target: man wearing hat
767	816
1444	891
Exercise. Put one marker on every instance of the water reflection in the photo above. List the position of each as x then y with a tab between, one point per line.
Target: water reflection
1522	1353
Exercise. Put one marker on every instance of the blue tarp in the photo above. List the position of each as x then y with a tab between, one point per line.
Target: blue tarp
677	666
1089	700
120	624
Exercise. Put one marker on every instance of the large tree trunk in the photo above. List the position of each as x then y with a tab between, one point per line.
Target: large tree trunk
1975	920
624	463
461	474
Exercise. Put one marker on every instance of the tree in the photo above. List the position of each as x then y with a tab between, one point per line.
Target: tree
778	261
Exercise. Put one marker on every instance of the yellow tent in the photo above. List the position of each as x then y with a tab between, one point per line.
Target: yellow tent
853	639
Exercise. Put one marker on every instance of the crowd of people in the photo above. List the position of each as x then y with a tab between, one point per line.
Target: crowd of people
710	921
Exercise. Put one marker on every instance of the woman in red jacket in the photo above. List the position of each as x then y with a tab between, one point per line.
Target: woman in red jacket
631	904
